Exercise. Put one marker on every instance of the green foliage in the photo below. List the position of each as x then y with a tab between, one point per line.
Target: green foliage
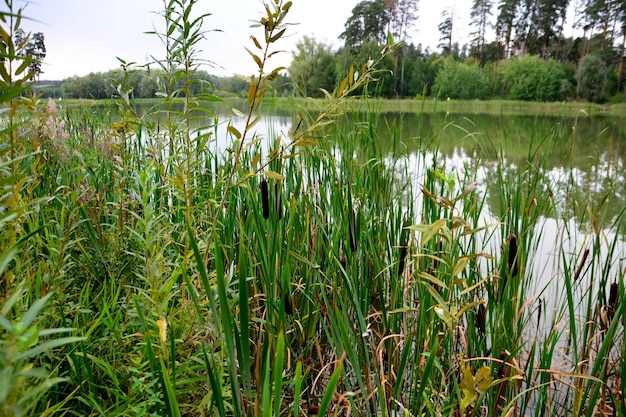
385	84
592	78
24	380
367	23
460	81
532	79
312	68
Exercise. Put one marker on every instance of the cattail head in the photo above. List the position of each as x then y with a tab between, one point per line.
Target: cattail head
265	199
403	251
481	315
613	295
581	264
352	230
512	261
502	368
288	305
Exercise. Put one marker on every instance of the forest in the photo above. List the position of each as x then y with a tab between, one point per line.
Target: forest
518	49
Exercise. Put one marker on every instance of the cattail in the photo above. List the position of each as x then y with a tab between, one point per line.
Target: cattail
288	305
265	199
481	319
539	312
352	230
511	264
512	256
402	257
581	264
313	410
613	295
502	368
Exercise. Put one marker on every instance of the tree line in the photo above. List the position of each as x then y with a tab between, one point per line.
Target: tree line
103	85
528	56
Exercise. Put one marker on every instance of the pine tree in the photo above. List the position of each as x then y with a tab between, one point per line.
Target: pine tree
481	10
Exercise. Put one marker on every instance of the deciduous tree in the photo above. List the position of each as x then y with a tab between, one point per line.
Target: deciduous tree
312	67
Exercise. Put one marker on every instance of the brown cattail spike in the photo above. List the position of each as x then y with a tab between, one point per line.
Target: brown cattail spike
352	231
265	199
481	315
288	305
512	261
581	264
403	250
614	295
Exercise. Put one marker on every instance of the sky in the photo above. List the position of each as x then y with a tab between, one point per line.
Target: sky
84	36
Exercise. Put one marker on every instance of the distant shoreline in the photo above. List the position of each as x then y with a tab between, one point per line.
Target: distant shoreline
428	105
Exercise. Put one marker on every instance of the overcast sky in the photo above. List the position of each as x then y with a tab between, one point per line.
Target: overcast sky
84	36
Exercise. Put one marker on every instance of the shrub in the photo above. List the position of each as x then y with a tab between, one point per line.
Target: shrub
532	79
460	81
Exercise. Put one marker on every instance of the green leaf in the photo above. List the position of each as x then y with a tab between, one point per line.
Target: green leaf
47	346
6	375
277	368
297	388
330	388
169	389
34	310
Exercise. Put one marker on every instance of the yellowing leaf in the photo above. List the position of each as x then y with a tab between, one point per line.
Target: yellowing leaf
432	230
351	75
467	385
254	121
256	42
237	112
483	379
233	130
342	87
255	160
459	267
251	93
278	35
274	175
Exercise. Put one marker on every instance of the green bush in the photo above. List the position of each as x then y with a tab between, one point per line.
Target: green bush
530	78
460	81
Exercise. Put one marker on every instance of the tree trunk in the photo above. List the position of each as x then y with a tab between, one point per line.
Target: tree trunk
620	71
